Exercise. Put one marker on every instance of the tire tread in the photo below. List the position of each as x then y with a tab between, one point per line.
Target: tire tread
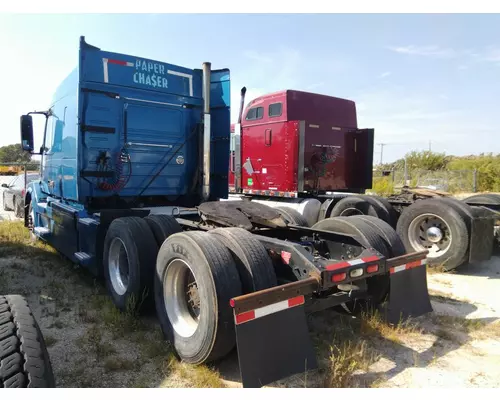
24	359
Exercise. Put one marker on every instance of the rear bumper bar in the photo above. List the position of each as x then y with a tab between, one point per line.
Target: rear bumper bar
317	284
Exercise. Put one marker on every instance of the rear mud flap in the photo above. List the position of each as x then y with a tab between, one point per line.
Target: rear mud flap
409	296
482	236
273	343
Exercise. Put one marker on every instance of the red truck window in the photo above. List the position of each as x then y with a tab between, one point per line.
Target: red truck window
255	113
275	109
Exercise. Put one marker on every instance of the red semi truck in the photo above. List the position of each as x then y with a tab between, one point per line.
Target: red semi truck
304	154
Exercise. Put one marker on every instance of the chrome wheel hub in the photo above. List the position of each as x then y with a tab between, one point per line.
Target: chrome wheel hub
182	298
118	265
430	232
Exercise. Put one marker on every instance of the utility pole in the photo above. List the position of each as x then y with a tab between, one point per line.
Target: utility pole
381	151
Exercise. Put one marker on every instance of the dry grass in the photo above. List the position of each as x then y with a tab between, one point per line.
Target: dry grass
195	376
373	323
436	269
345	359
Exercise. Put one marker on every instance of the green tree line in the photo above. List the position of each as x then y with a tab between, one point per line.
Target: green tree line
487	166
14	154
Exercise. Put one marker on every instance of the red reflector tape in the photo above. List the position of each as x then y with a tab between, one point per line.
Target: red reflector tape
339	265
245	317
270	309
285	255
296	301
409	265
370	259
350	263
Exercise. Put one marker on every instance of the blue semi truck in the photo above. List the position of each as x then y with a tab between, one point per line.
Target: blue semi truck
134	171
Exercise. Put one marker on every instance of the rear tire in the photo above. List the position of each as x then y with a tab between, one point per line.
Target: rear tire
392	215
293	216
360	205
254	265
197	320
130	251
24	359
162	226
448	245
394	243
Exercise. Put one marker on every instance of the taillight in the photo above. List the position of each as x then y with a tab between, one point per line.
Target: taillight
371	269
23	192
339	277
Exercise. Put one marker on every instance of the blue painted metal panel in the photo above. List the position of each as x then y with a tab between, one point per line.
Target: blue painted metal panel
220	131
140	73
122	113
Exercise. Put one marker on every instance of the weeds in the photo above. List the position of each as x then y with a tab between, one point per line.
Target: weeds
372	322
196	376
344	360
120	323
94	341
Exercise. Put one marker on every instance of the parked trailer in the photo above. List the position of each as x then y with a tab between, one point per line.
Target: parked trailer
303	154
130	188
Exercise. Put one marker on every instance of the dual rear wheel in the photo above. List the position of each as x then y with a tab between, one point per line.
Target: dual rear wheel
190	276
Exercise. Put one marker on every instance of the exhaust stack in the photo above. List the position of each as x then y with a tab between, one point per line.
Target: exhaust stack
206	130
242	102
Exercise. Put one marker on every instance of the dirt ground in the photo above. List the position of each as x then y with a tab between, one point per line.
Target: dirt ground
92	345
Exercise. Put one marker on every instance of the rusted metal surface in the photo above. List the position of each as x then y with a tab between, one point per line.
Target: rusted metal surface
406	258
262	298
242	214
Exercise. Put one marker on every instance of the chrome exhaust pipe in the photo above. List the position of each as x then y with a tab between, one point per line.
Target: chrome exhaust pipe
206	130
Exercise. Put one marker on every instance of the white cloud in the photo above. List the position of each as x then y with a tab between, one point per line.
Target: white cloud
385	74
490	54
427	51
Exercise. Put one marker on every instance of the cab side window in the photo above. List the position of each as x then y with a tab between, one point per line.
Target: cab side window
275	109
255	113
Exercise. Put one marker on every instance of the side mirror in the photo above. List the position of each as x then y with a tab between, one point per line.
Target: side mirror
27	143
4	185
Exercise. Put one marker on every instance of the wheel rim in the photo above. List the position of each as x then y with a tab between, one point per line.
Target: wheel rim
118	265
430	232
182	300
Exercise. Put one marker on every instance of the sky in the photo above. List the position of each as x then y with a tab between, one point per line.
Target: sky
420	80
